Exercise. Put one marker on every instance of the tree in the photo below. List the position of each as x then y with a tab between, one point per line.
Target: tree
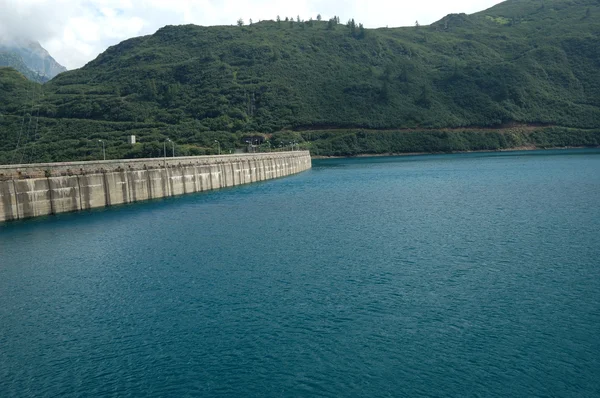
352	26
278	19
424	99
151	91
384	92
404	75
298	18
171	93
286	19
319	17
250	21
240	22
361	31
387	73
333	22
417	24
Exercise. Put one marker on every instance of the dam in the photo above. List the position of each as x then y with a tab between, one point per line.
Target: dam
32	190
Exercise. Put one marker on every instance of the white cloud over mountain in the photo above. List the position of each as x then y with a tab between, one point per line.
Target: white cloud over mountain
76	31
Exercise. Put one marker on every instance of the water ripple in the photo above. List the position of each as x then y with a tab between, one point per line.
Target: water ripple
460	275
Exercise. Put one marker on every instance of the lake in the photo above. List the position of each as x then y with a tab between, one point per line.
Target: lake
442	275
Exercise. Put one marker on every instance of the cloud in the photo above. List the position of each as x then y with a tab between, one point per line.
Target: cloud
76	31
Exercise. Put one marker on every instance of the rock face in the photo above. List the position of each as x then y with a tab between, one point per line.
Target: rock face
29	58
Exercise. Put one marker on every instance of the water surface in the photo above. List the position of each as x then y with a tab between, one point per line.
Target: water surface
450	275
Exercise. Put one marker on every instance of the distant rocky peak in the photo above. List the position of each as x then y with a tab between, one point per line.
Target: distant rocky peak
33	55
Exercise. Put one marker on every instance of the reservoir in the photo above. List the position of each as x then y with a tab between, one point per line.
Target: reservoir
441	275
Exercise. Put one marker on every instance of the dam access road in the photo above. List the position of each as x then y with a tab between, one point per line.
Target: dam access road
32	190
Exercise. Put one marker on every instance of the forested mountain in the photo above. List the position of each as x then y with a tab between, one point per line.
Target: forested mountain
525	72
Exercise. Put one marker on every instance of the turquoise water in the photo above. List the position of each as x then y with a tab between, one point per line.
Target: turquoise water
451	275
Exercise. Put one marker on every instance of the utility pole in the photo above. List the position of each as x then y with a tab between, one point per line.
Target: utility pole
165	147
103	149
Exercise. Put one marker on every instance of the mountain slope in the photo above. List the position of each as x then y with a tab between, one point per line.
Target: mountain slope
34	56
12	60
528	63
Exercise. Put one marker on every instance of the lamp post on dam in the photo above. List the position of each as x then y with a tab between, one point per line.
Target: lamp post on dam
103	149
165	148
173	144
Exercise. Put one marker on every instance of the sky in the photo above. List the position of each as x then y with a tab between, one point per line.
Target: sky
76	31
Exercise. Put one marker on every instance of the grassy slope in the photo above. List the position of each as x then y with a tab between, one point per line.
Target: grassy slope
519	62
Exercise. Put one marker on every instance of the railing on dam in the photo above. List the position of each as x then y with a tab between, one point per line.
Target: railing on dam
32	190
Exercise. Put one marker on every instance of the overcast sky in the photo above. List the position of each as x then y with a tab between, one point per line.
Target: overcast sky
76	31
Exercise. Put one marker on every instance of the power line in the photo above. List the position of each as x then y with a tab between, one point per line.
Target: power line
37	120
15	153
28	126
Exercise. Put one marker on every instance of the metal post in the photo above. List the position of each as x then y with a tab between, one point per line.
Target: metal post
103	149
219	144
165	147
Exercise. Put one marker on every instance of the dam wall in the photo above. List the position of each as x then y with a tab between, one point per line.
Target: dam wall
32	190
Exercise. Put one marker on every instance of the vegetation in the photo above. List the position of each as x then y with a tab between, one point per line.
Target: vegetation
461	83
12	60
356	142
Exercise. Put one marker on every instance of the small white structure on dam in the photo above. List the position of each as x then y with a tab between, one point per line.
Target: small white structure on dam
32	190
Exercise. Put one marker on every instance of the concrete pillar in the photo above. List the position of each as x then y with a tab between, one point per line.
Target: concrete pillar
92	191
8	201
64	193
138	185
176	180
116	185
33	197
158	183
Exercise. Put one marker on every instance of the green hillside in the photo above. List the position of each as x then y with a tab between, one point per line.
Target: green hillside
12	60
523	73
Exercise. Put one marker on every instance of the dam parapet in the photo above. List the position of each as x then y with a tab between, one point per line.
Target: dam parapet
32	190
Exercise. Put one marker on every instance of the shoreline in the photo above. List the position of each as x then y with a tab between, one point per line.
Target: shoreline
515	149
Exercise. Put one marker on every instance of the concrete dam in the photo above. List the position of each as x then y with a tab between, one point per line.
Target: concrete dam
32	190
